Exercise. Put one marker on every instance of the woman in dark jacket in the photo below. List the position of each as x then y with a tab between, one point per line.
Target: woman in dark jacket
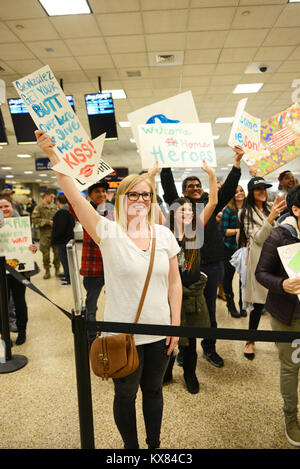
187	226
284	307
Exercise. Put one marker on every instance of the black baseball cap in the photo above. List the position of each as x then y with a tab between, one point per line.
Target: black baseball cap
256	183
103	184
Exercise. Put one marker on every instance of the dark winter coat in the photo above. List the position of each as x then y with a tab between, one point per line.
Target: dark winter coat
271	273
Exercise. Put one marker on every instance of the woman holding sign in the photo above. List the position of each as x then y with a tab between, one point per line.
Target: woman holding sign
14	287
284	307
188	226
125	245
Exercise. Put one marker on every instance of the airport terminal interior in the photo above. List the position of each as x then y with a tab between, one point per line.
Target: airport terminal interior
142	52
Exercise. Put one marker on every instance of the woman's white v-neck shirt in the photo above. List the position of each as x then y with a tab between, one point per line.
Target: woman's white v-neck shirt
125	271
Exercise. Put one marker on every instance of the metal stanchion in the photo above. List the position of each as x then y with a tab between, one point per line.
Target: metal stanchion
8	362
81	354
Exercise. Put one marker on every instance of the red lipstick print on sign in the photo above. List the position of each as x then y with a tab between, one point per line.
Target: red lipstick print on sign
87	170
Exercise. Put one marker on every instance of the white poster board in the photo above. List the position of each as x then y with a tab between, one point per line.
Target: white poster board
245	132
176	145
15	239
177	109
80	157
290	258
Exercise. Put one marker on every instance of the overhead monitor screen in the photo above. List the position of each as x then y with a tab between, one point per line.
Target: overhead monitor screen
3	137
22	121
101	115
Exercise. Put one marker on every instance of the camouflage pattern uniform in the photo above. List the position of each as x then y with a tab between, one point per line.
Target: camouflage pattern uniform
42	214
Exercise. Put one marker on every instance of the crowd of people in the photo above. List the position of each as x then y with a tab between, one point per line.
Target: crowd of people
198	238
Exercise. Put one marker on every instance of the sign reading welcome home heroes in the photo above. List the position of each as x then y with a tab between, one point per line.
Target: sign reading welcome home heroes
176	145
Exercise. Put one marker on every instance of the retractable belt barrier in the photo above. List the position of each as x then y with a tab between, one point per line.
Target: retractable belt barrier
79	328
176	331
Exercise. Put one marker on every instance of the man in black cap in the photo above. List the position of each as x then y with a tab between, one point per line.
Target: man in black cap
91	260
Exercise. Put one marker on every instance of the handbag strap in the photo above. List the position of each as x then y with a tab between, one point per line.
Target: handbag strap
148	276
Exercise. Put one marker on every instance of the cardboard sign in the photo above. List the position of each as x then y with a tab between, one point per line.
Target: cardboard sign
178	109
238	112
280	140
176	145
15	239
80	157
245	132
290	258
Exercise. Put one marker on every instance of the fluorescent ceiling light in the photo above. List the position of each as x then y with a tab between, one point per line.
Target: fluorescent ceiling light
247	88
293	1
65	7
9	176
124	124
24	156
132	140
28	172
224	120
6	167
216	137
43	175
116	94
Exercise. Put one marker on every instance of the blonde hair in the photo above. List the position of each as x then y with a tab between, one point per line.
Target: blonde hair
125	186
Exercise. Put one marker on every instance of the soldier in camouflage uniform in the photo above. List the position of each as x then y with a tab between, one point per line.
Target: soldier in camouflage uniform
42	217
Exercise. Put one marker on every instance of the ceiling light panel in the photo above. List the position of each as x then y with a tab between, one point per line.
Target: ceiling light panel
65	7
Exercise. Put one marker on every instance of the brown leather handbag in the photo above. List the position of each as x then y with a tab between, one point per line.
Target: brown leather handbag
116	356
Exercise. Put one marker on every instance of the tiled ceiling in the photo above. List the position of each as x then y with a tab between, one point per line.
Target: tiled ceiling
220	39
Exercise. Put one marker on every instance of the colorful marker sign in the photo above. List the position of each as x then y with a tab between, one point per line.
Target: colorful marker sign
176	145
80	157
280	140
177	109
290	258
15	239
245	132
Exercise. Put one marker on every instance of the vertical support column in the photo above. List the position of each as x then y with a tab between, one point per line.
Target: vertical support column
81	349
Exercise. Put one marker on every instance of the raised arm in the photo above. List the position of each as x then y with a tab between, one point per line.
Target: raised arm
159	216
213	192
85	213
227	191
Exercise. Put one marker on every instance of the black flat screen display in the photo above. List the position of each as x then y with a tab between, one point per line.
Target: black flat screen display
22	121
101	115
3	137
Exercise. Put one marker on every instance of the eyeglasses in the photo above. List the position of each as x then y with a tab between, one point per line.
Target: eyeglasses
134	196
191	186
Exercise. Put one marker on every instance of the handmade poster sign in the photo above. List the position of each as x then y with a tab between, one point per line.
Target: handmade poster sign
245	132
15	239
290	258
178	109
232	141
80	157
176	145
280	140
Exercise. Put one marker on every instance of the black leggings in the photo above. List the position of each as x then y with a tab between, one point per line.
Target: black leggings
255	315
149	375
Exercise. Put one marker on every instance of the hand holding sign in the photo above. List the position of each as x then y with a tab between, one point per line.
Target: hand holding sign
292	286
77	155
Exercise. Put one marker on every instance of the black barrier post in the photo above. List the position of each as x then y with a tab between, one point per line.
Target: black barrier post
82	362
8	363
83	380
